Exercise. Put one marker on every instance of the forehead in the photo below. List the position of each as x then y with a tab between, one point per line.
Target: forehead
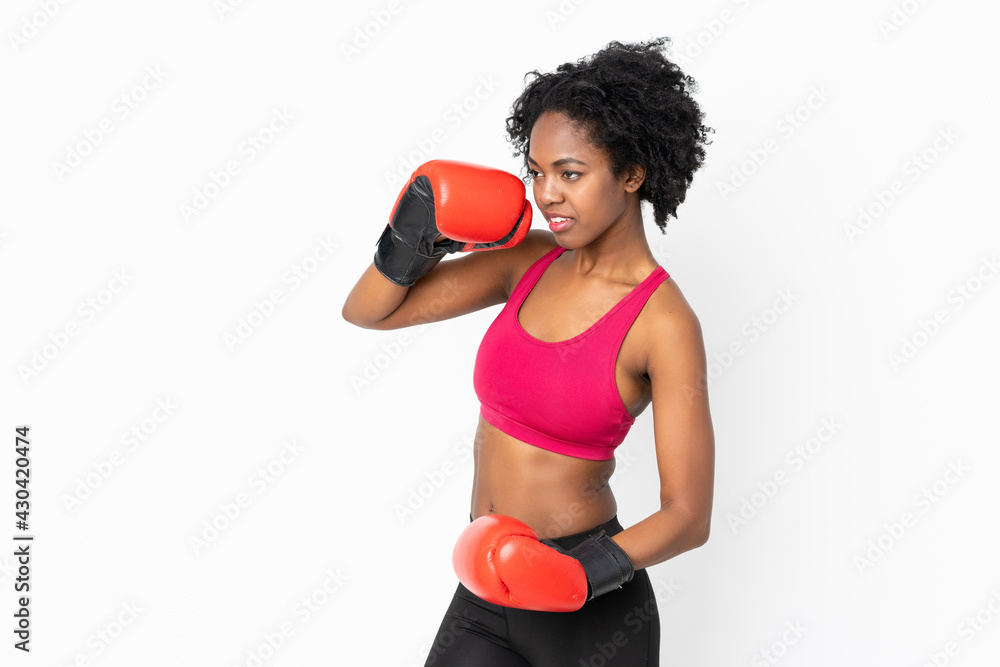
555	136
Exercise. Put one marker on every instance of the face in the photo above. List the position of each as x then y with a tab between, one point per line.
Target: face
572	182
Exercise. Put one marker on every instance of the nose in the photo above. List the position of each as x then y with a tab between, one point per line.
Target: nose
547	191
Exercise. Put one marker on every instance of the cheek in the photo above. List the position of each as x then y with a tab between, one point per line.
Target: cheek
604	200
603	211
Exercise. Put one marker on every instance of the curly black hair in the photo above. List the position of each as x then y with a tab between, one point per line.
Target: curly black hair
636	106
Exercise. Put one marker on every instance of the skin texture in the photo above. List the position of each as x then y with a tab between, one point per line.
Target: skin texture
661	361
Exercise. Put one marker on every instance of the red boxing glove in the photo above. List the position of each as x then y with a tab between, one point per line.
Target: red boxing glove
472	207
480	207
500	559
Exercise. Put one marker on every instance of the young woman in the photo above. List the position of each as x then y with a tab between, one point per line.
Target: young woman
592	333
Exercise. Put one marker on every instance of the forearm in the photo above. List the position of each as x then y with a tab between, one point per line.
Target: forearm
668	532
373	298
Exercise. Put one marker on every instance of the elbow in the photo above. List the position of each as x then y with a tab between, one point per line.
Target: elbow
696	524
701	535
698	531
351	317
347	317
701	530
362	325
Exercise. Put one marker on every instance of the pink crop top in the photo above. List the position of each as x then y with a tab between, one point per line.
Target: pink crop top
561	396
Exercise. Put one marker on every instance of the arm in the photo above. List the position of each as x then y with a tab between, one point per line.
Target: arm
685	444
446	207
454	287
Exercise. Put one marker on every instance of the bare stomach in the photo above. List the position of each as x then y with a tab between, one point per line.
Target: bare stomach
554	494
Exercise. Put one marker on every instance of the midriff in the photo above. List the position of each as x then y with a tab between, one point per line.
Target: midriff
554	494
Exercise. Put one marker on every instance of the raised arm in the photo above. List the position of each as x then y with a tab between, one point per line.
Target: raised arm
454	287
446	207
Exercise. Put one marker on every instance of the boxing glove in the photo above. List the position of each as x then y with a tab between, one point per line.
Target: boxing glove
473	207
501	560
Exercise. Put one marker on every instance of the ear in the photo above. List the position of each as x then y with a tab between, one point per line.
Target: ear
634	178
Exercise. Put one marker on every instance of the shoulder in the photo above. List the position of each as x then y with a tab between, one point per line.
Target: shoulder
669	327
536	244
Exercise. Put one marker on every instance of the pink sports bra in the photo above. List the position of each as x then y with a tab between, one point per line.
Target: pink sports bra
561	396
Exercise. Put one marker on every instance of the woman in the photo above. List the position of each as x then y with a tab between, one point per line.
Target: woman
593	331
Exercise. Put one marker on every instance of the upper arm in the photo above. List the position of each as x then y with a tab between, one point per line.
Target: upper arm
682	423
470	282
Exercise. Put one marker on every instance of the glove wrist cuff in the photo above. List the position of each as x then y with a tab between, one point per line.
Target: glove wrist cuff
606	565
401	263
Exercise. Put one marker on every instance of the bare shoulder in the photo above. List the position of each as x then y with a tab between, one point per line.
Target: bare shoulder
669	326
536	243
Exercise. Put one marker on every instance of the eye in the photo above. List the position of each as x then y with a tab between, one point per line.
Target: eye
571	175
532	174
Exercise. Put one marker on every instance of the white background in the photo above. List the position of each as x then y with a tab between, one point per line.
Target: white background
115	517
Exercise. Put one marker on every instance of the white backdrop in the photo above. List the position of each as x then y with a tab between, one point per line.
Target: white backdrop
224	472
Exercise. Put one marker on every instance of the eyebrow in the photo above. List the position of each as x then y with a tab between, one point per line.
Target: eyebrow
561	161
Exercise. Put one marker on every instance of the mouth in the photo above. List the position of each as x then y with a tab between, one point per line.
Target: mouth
558	223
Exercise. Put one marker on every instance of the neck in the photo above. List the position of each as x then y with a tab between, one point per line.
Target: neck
620	254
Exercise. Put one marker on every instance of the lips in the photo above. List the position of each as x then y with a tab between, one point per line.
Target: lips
558	223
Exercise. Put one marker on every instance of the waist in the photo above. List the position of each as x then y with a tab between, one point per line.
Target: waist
611	527
553	493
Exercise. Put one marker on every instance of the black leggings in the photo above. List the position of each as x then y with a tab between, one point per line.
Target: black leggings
618	628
